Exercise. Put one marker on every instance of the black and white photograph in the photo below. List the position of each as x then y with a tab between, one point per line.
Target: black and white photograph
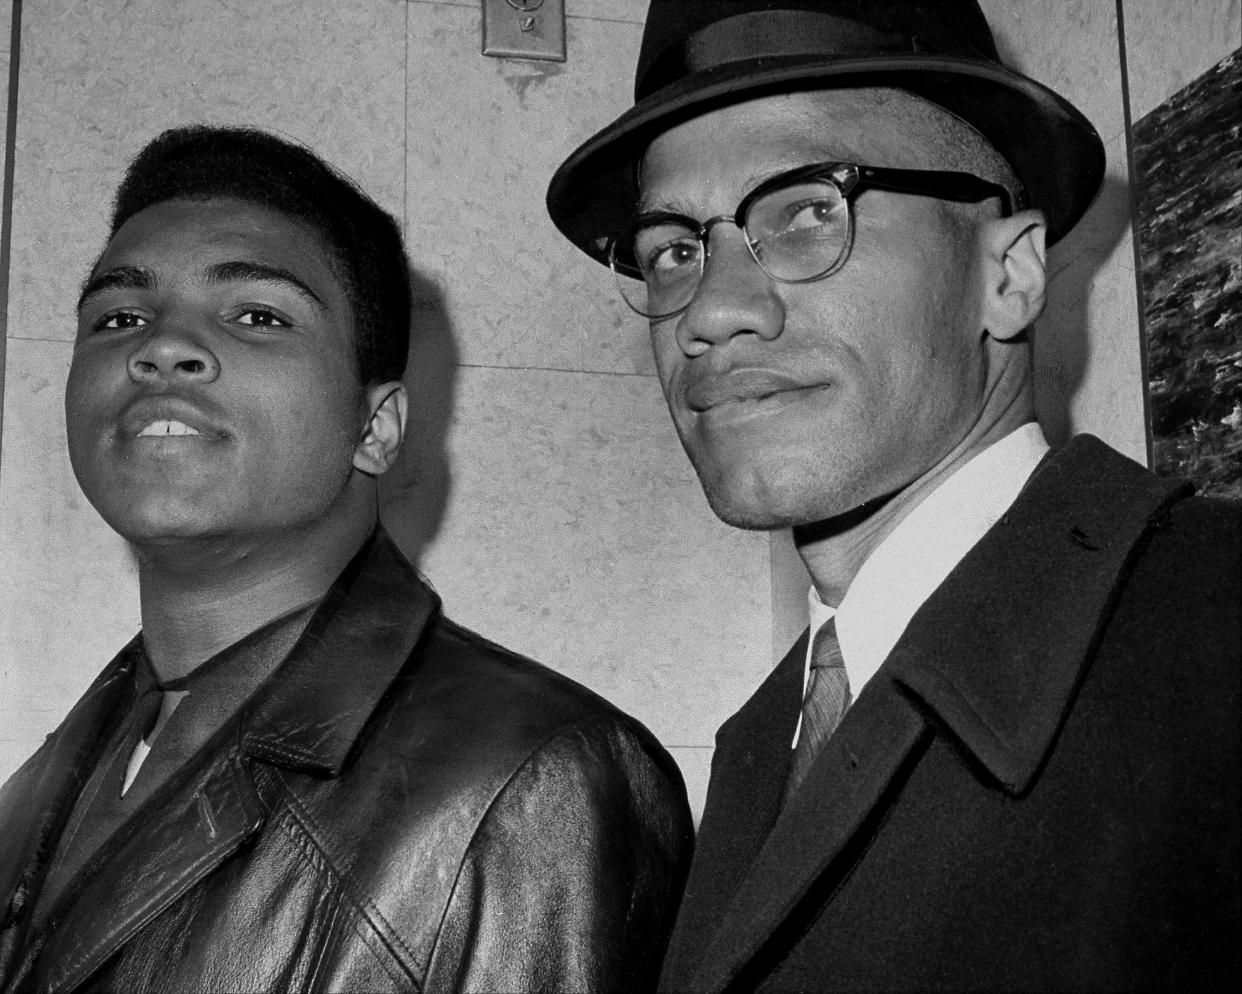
620	496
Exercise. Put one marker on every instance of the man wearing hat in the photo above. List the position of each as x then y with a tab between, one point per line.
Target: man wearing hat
1004	755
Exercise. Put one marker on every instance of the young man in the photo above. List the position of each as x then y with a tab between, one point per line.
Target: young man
1008	758
300	775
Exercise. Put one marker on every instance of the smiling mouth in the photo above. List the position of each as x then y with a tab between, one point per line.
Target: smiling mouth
707	401
745	387
167	428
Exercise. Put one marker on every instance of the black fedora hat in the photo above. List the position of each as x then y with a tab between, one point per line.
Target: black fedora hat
697	55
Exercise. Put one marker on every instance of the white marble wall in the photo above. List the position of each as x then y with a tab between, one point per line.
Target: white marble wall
543	491
1088	364
1170	45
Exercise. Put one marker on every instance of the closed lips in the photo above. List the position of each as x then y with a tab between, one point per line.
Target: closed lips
705	394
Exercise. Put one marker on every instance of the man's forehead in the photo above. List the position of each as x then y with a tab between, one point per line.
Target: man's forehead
753	139
219	218
220	239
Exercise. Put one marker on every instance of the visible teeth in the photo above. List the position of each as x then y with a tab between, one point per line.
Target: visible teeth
167	428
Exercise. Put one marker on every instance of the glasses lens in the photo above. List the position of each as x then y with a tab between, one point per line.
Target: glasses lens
658	265
799	232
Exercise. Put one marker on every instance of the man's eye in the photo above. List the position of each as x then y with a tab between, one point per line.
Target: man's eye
810	214
664	255
261	317
119	320
674	255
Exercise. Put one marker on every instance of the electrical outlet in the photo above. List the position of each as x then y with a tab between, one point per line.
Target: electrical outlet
524	29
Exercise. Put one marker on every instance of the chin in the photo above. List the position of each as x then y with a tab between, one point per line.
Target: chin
142	523
760	505
742	515
783	493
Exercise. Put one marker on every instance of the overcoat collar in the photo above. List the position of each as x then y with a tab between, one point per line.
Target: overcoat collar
993	660
998	653
308	717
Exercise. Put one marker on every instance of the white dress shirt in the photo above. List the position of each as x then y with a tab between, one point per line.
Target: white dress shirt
916	557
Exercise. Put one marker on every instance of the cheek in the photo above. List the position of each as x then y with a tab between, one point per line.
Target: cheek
667	355
919	345
82	391
318	426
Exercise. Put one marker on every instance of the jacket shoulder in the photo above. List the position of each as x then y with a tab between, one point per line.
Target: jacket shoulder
462	720
475	742
1188	574
502	678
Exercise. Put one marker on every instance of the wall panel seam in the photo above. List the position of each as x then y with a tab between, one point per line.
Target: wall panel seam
1128	123
6	206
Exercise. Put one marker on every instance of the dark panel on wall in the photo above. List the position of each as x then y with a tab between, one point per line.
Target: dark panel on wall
1188	177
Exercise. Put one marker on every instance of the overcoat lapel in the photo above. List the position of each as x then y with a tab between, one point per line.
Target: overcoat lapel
867	752
749	768
306	718
976	663
35	804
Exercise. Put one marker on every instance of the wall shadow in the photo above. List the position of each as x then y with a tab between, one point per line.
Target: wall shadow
415	492
1062	342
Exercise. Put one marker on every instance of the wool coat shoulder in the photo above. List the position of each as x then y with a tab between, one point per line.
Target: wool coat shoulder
1037	791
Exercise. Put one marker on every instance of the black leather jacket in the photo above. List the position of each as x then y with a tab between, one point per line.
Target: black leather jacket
402	807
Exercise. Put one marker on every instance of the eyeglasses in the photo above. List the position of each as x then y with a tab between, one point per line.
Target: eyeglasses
799	227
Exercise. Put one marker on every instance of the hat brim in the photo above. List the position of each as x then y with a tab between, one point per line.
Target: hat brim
1052	147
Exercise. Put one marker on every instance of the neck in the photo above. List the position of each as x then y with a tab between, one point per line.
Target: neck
833	550
200	596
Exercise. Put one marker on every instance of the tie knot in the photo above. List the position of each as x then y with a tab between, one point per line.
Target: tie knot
826	650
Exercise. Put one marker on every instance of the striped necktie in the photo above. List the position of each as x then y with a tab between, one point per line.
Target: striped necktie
827	696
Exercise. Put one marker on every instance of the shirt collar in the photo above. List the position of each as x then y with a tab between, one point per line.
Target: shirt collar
904	570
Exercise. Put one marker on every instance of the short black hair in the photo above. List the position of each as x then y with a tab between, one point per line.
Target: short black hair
202	162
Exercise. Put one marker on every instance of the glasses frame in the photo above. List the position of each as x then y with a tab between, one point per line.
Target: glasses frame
849	178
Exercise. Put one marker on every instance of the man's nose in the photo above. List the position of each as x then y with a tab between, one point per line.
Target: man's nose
734	297
172	351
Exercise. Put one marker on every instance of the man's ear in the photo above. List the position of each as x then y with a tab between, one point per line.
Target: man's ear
1015	277
380	444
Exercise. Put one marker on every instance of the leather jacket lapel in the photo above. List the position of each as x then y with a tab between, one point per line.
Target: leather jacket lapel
187	830
35	804
306	717
311	713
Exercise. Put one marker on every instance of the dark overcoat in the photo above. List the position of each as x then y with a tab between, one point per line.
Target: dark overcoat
403	806
1038	790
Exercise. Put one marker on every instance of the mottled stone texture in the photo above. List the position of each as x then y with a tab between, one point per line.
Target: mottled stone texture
6	18
1088	366
97	81
1169	45
1188	171
543	490
1186	203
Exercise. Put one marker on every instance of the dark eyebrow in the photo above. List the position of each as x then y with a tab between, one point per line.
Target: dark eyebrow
141	278
241	270
120	278
675	205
